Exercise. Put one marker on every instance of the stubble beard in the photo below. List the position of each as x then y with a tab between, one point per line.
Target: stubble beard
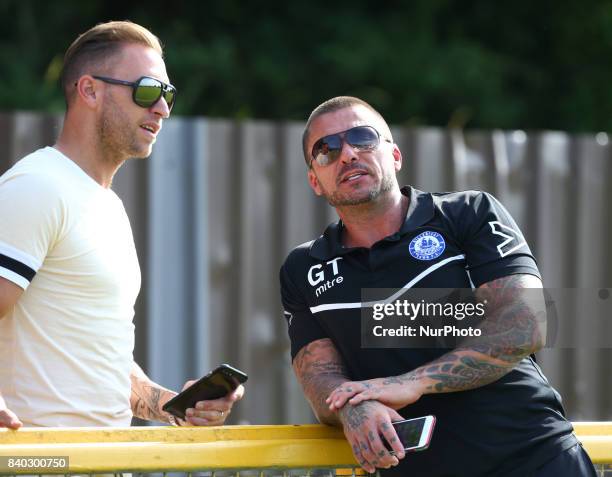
341	199
118	135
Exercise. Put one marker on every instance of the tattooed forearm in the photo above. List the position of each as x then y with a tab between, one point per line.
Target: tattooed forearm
319	369
515	324
514	328
147	397
459	371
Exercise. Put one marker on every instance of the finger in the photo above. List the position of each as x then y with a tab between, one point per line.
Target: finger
366	395
369	456
197	421
237	394
358	457
221	404
9	419
187	384
364	464
333	394
338	402
11	423
390	435
217	405
348	387
339	399
385	459
211	415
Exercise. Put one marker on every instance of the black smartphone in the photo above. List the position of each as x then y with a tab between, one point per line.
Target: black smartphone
414	434
216	384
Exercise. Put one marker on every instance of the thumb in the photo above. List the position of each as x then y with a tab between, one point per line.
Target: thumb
188	383
237	393
9	419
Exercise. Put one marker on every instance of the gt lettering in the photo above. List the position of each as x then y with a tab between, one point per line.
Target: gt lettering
316	274
318	277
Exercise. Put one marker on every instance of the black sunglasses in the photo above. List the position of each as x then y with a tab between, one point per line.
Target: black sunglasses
327	149
146	91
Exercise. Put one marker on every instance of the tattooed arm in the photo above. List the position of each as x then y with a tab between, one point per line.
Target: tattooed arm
147	397
513	329
320	369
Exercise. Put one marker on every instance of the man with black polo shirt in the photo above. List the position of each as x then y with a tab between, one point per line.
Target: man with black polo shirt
496	413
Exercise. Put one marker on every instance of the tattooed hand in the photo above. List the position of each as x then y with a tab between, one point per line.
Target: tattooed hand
213	412
394	391
363	426
148	398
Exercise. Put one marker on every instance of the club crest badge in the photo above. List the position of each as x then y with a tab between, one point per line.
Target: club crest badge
427	246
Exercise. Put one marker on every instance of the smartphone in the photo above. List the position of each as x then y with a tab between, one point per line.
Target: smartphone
216	384
414	434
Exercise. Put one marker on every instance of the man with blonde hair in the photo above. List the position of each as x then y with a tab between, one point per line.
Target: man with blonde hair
69	274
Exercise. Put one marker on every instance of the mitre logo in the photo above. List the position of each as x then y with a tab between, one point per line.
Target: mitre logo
317	276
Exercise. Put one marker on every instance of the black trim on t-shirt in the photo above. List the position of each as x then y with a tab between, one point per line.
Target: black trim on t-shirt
17	267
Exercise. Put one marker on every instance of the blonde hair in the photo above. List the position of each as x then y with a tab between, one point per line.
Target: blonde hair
99	46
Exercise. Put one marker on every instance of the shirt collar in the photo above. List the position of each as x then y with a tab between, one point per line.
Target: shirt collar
420	211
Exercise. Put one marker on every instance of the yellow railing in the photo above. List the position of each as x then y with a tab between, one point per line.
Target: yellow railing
596	438
157	449
154	449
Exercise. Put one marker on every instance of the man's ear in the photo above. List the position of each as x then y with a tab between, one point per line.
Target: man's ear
313	181
86	90
397	158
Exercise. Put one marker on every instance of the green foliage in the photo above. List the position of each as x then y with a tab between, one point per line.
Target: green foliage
473	63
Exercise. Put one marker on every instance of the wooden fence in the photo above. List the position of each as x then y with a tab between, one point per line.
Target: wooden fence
219	204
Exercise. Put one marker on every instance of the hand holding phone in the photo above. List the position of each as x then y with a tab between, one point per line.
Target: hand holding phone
414	434
216	384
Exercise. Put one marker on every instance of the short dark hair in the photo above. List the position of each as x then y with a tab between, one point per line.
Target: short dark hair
329	106
100	44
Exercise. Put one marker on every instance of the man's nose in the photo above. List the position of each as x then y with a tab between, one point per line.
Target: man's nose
347	153
161	108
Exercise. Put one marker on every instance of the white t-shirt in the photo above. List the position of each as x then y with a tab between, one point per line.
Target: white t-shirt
66	347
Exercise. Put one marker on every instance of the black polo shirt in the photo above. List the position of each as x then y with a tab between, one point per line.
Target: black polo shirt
448	240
